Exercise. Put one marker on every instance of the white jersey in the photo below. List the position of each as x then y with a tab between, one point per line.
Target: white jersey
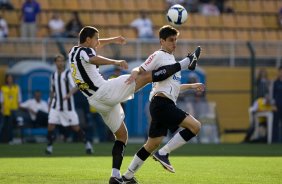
169	87
85	75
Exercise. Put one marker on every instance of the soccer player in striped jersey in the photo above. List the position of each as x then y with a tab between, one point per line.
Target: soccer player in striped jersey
61	105
106	95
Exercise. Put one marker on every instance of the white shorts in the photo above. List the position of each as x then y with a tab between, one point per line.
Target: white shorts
64	118
108	98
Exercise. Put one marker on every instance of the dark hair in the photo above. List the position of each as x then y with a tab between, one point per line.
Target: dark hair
59	56
7	76
87	31
167	31
280	67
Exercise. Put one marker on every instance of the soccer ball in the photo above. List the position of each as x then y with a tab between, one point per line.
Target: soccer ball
177	15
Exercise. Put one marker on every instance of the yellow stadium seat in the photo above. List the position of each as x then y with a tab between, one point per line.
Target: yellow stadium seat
242	35
256	35
158	19
271	35
44	4
270	6
243	21
13	32
129	5
113	19
229	34
128	17
17	4
157	5
99	19
85	18
143	4
257	21
270	21
198	20
85	5
229	20
256	6
71	5
129	32
57	5
12	17
186	34
241	6
215	34
200	34
115	5
214	21
100	5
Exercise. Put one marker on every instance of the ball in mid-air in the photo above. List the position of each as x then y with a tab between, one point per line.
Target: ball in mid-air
177	14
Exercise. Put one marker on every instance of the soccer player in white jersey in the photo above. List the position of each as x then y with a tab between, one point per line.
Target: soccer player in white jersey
61	105
106	95
164	112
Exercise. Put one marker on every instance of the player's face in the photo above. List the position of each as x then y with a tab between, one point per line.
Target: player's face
94	41
60	63
169	44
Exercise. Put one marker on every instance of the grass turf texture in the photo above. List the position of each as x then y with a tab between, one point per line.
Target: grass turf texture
194	163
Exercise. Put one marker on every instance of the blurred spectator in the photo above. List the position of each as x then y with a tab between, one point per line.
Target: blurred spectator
209	9
277	96
3	28
73	26
280	17
29	14
56	26
37	109
262	83
143	26
6	4
10	99
262	104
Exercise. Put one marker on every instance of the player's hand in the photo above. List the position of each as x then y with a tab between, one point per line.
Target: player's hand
132	77
122	64
199	87
66	97
120	40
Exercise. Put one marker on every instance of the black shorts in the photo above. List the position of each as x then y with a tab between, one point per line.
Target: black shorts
165	116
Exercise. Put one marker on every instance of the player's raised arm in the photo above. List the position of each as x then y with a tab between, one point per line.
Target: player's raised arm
100	60
116	40
196	86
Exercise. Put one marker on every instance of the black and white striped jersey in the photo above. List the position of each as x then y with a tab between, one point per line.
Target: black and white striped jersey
61	85
85	75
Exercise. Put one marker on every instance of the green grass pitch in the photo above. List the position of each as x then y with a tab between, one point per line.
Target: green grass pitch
194	163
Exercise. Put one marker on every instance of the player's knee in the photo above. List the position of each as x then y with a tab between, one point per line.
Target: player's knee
196	127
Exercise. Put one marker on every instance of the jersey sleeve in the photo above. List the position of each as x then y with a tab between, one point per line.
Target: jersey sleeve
87	53
151	62
71	82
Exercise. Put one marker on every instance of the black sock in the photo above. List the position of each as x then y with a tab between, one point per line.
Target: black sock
143	154
164	72
50	137
186	134
118	153
81	135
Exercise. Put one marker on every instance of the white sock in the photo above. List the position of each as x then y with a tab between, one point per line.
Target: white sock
175	142
184	63
135	164
116	173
